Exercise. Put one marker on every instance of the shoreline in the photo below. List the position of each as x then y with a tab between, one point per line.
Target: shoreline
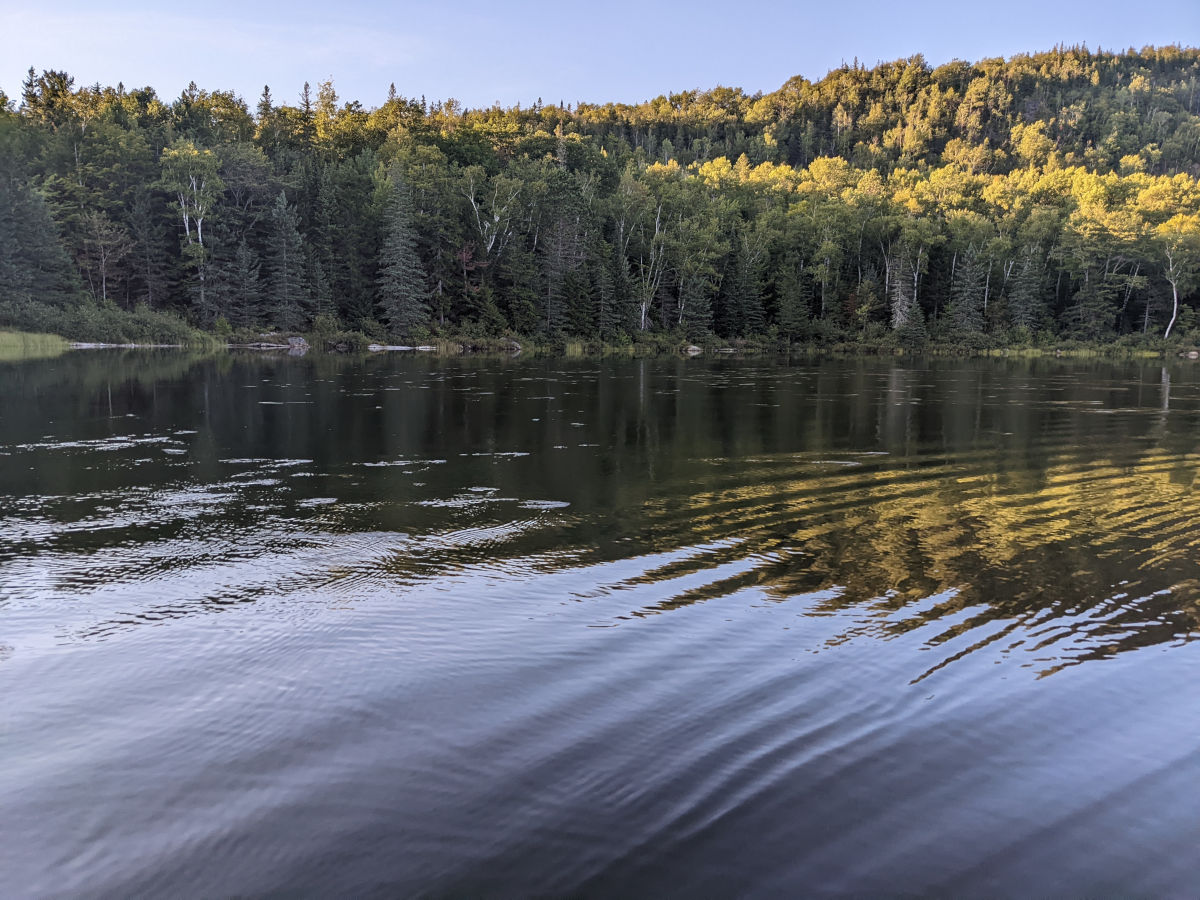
608	351
20	344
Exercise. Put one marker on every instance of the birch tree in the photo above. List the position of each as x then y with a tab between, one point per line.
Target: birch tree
1178	241
189	175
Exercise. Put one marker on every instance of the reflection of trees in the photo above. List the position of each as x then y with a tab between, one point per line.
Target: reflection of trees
1090	549
1040	503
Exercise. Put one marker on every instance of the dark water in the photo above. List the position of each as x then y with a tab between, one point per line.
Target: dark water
712	627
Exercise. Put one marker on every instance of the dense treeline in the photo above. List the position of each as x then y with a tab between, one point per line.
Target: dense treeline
1038	198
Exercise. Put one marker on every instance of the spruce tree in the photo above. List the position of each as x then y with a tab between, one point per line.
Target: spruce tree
794	296
234	290
900	290
318	286
519	274
913	333
288	306
562	255
1093	310
152	275
694	307
966	296
246	294
34	267
607	321
741	310
1025	306
402	285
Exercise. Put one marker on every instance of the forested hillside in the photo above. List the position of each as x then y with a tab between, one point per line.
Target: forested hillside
1039	198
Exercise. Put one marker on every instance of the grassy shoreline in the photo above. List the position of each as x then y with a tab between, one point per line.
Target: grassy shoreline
39	328
16	345
24	345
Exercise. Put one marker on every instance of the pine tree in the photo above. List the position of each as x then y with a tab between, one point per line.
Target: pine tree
267	130
234	291
901	298
607	319
519	274
912	333
288	305
34	267
966	296
563	247
151	276
245	299
1025	307
794	294
741	312
557	261
580	305
693	307
1093	309
318	285
402	285
320	229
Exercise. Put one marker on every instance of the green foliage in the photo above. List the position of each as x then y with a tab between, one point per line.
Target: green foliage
103	324
289	303
1025	306
1037	198
33	264
402	281
18	345
913	335
966	296
1092	311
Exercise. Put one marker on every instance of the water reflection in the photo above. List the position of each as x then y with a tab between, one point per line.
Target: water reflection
416	626
1037	508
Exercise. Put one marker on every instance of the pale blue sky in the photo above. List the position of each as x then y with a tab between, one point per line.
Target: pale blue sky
518	51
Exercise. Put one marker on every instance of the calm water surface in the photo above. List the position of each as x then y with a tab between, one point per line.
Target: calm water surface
713	627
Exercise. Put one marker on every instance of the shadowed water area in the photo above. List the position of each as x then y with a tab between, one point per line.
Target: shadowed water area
506	627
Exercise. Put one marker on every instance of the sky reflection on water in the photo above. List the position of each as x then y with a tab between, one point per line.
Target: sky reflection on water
728	626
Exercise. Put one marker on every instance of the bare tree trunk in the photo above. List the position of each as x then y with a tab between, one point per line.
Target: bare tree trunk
1173	280
1174	307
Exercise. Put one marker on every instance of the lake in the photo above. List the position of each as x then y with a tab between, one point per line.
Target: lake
717	627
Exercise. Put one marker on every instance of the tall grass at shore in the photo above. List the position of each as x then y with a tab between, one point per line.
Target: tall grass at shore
16	345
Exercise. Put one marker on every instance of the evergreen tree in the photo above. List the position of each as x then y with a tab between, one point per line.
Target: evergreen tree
34	267
318	286
402	285
607	320
912	333
742	290
1093	309
243	308
625	305
580	303
901	295
1025	306
519	289
151	261
559	260
794	296
612	219
966	296
288	305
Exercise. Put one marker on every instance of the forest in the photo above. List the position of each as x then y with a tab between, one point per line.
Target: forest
1029	201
